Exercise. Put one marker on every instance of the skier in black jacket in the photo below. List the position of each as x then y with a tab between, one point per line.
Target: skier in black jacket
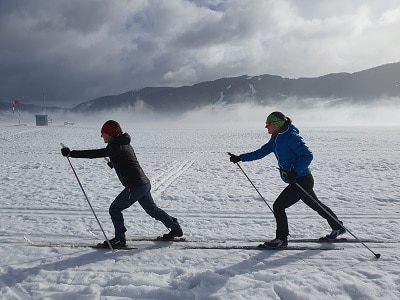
137	185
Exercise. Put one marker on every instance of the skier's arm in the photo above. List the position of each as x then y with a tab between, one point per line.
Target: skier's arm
95	153
258	154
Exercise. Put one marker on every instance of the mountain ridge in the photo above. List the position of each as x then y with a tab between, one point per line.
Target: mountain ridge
359	87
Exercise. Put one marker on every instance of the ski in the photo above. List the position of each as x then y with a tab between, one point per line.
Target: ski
200	247
299	240
216	244
340	240
157	239
114	248
74	245
248	247
296	240
147	239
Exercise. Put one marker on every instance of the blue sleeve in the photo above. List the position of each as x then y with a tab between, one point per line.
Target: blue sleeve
258	154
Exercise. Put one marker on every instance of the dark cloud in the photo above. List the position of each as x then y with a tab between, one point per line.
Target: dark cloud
78	50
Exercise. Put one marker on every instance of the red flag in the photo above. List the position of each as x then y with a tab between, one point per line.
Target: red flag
15	103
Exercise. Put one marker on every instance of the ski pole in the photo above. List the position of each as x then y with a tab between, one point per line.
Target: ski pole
87	199
252	184
377	255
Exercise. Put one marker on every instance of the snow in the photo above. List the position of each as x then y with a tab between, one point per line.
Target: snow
356	173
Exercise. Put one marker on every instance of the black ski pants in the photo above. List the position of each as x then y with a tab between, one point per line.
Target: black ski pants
127	198
292	194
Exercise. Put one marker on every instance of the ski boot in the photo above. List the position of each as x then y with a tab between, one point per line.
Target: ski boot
335	233
175	231
274	244
114	242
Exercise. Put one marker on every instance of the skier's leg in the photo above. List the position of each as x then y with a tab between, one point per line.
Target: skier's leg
124	200
324	211
151	208
289	196
157	213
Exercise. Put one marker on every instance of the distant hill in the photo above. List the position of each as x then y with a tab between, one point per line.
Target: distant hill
364	86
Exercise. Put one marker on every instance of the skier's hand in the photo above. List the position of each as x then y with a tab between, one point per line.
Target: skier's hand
109	163
234	158
65	151
290	176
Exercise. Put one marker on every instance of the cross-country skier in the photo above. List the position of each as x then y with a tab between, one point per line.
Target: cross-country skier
137	185
294	158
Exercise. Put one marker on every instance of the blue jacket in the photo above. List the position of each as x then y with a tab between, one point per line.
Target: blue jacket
290	150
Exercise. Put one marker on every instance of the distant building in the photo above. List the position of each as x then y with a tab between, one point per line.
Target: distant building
42	120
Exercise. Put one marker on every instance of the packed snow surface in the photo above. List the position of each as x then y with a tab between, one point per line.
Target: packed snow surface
356	171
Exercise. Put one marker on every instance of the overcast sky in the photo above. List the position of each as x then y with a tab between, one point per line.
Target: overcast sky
76	50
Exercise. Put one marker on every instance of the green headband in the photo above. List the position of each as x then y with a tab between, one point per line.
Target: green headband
275	120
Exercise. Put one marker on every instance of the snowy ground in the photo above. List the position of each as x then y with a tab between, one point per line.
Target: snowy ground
356	172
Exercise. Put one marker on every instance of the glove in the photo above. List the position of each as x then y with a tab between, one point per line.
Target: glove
235	158
109	163
65	151
290	176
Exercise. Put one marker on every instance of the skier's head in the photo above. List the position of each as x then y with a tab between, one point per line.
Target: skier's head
276	122
277	118
111	128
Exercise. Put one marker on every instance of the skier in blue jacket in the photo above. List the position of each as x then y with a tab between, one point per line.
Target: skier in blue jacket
294	159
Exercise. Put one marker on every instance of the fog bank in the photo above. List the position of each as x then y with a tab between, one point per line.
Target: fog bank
381	113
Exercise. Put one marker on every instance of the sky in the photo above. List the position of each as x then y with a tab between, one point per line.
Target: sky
62	53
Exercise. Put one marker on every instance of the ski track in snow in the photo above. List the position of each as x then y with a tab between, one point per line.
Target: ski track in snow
161	182
193	180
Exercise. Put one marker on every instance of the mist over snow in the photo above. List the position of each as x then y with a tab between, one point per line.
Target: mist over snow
380	113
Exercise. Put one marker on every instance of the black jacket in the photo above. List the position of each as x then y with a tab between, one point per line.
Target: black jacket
123	159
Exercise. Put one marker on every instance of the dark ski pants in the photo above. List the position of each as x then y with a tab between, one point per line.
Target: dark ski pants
292	194
127	198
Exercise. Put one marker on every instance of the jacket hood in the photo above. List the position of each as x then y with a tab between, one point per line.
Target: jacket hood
123	139
291	128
